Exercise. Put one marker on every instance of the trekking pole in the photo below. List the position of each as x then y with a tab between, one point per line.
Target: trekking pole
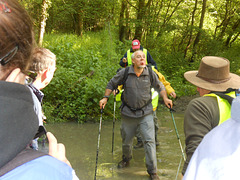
99	133
179	168
171	111
114	109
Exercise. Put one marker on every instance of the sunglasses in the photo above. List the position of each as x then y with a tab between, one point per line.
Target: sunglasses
31	76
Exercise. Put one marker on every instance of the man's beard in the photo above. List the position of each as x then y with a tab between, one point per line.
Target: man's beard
142	66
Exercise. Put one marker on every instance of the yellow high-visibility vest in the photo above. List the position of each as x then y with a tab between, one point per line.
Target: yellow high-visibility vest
129	54
155	98
224	106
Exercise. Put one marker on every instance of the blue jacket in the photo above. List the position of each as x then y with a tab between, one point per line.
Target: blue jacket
44	167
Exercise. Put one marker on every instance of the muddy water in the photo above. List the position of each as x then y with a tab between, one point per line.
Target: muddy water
81	144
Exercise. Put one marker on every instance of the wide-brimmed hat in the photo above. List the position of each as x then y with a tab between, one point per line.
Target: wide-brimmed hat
135	44
213	74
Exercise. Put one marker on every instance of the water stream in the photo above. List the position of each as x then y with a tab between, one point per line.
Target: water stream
81	146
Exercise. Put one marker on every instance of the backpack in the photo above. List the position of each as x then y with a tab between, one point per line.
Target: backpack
125	76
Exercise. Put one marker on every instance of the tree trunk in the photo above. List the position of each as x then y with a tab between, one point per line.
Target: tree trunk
127	29
139	23
168	15
78	23
121	19
234	28
197	39
191	29
224	20
45	5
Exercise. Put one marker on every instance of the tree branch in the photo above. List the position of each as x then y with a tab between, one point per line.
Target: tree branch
131	5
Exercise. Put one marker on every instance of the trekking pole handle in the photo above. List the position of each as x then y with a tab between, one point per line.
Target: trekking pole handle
172	110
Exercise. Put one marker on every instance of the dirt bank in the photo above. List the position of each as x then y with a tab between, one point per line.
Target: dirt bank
180	104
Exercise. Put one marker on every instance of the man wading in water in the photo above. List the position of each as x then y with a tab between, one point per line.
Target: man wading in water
137	110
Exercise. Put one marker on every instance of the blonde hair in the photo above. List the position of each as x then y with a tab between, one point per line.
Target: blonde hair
42	59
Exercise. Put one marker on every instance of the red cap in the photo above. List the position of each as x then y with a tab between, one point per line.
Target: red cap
135	44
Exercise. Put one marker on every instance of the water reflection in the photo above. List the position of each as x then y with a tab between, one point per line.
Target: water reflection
81	144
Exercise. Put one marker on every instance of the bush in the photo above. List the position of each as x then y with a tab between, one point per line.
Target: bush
84	66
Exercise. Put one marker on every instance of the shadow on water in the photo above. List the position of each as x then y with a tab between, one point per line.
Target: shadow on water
81	146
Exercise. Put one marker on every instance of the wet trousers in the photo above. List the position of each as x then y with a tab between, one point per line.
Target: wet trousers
156	126
145	124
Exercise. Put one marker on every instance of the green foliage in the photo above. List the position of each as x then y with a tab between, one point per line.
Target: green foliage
84	66
168	32
232	54
173	66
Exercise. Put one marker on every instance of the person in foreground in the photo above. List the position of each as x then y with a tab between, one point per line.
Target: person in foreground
214	82
19	122
218	155
137	110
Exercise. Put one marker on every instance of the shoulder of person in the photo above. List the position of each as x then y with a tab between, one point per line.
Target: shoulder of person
151	70
51	164
43	167
205	102
120	69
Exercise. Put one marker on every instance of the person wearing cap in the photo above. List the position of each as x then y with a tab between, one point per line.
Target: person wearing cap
215	85
126	59
217	156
